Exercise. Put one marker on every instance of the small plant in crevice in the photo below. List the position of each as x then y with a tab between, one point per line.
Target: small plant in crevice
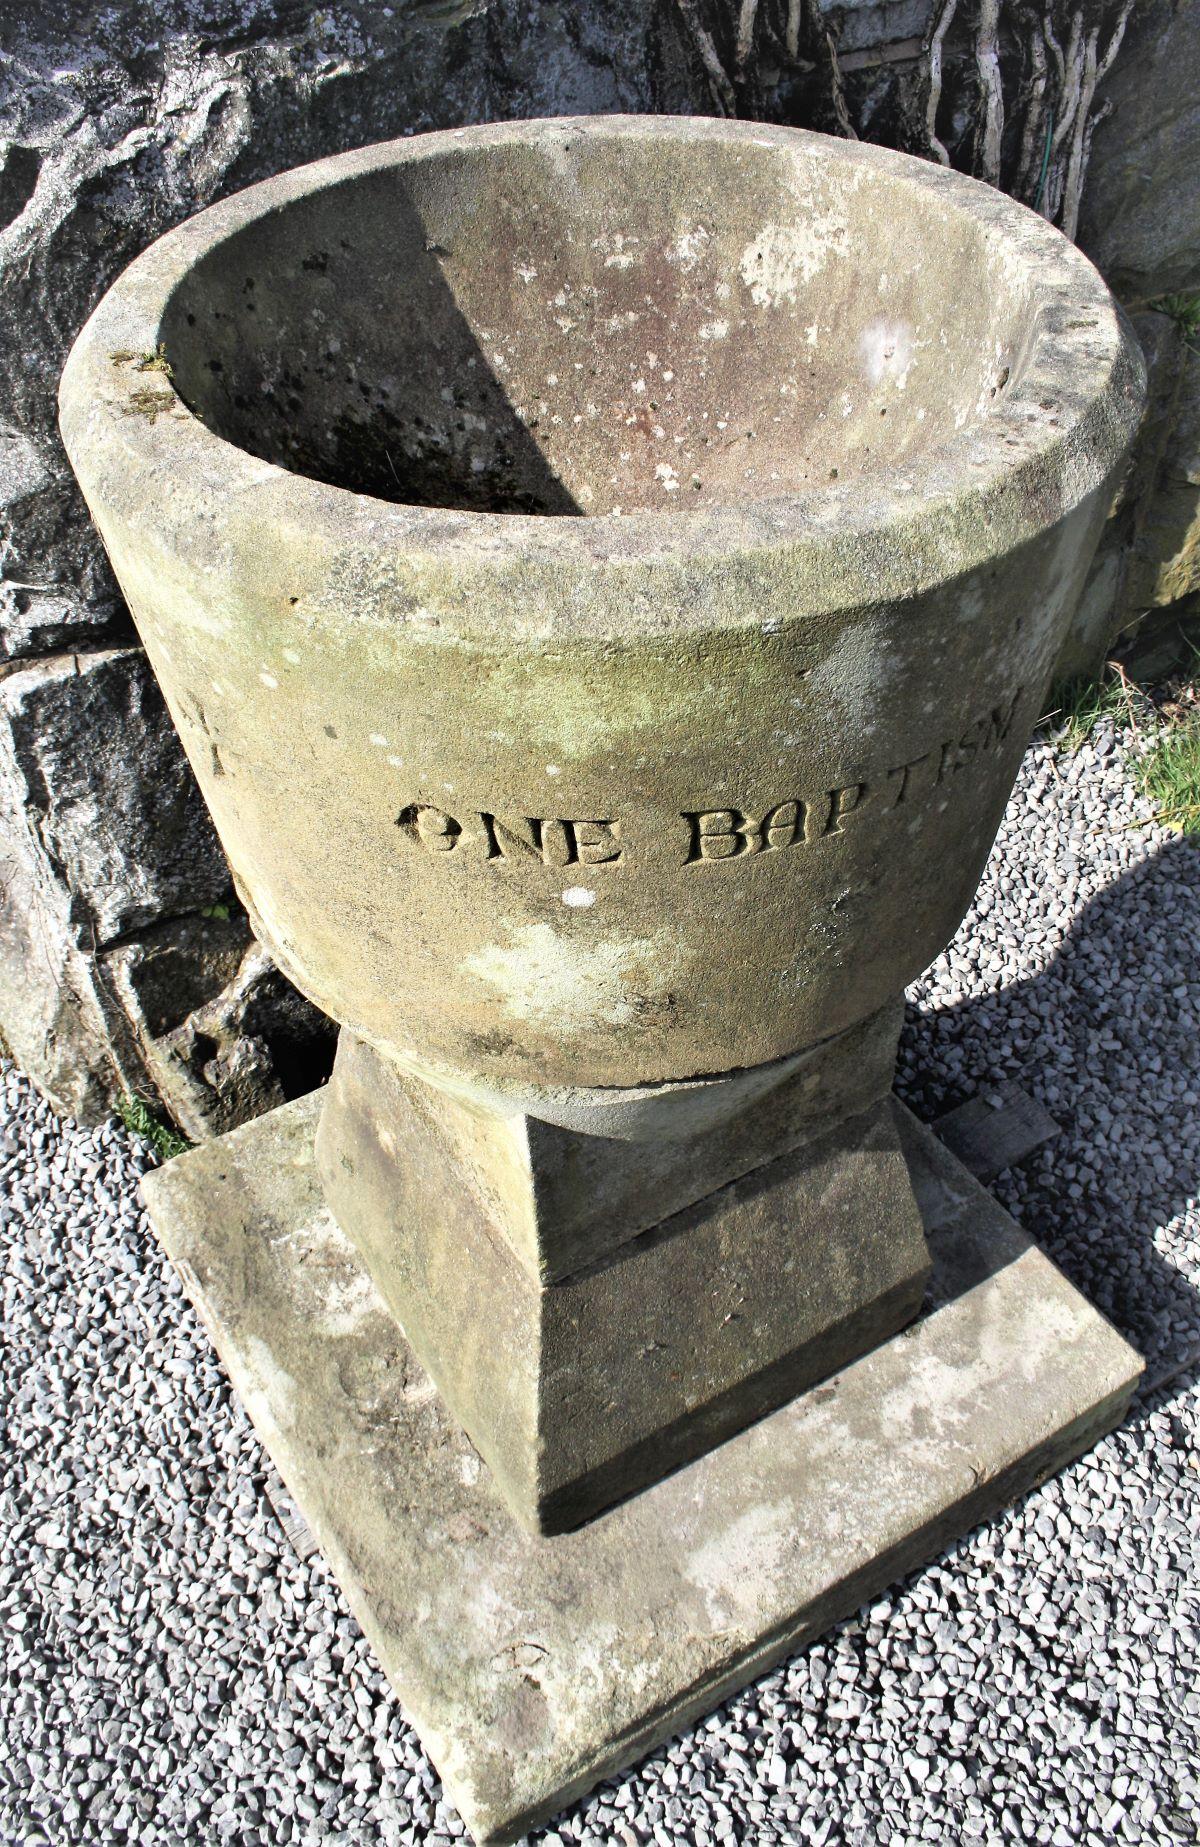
1169	769
141	1120
145	401
154	361
151	404
1184	310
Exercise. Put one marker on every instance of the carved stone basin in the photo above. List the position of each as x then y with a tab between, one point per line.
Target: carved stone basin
604	573
759	473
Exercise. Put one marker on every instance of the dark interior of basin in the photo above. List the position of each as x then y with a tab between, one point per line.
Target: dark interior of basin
584	324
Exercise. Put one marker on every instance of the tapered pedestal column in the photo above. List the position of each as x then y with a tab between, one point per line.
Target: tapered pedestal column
597	1308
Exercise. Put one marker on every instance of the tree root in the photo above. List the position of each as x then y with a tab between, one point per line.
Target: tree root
718	77
1060	50
933	96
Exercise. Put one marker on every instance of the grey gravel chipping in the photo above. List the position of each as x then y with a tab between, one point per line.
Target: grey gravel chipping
174	1673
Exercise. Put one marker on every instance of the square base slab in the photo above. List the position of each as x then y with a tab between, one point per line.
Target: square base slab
533	1667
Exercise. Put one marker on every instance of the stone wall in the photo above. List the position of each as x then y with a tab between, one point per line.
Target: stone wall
1140	224
1149	557
125	960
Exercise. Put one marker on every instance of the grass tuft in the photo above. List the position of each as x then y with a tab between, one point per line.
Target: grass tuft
1184	310
1170	775
1079	706
1163	713
141	1120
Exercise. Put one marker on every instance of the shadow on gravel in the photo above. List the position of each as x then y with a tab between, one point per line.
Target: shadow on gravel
1107	1037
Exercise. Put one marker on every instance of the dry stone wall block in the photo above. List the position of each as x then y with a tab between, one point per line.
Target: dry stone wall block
1135	567
1166	560
222	1036
108	792
1141	207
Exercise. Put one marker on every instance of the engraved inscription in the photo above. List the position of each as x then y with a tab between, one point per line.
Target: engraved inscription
551	842
733	833
728	833
438	831
711	835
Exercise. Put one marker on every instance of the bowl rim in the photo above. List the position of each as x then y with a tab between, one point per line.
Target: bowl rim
1041	449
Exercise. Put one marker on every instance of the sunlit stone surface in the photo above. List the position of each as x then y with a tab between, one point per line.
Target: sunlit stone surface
604	574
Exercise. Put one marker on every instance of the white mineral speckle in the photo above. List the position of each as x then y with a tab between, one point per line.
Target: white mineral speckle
578	897
887	352
730	1568
688	248
784	256
618	249
574	984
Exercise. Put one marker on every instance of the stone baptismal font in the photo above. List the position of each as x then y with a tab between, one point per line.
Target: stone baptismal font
604	574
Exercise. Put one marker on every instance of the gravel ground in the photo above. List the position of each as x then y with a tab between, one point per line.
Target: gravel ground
174	1672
